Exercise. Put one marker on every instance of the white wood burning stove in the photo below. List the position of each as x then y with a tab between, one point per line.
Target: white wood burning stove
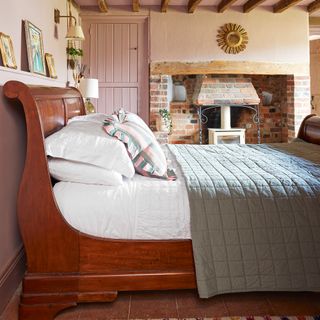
223	93
226	136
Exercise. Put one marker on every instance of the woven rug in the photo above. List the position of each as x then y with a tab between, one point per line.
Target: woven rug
246	318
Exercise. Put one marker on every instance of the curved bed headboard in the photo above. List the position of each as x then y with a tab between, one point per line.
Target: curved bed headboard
310	129
46	110
55	106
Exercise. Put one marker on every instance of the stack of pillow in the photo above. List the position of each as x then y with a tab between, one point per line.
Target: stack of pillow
89	150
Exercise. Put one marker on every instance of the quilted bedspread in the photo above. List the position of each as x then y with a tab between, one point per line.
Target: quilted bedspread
255	216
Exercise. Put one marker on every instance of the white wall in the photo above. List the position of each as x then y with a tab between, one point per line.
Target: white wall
177	36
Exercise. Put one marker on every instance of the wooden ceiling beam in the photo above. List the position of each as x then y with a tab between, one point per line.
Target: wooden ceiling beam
251	4
164	5
103	6
313	6
284	5
225	4
192	5
314	21
135	5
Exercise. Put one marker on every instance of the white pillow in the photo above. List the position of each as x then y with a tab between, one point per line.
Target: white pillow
71	171
87	142
124	115
92	117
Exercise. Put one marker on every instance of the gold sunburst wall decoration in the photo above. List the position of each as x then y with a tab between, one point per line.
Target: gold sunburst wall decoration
232	38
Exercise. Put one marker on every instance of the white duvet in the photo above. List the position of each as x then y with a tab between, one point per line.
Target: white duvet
141	208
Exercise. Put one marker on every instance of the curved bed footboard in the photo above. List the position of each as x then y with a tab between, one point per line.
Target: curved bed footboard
310	129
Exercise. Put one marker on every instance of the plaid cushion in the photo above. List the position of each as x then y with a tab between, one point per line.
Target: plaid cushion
143	149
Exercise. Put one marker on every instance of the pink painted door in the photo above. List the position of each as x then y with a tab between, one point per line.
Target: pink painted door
118	59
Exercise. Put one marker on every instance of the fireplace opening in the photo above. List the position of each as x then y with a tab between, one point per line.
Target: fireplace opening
225	93
279	95
214	117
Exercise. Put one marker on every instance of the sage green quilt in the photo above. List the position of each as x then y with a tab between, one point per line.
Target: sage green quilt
255	216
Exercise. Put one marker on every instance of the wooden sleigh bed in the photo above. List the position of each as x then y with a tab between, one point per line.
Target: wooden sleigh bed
64	266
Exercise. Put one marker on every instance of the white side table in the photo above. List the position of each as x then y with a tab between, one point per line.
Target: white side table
226	136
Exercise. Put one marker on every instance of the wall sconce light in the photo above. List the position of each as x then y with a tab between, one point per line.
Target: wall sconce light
75	31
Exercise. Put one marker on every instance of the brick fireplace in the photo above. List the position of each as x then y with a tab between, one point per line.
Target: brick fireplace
280	117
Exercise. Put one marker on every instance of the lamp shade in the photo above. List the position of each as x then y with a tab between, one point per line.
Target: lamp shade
89	88
75	33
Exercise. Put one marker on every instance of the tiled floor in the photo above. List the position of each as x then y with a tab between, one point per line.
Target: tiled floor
185	304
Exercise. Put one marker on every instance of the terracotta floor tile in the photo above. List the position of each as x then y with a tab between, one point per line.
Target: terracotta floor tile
293	303
248	304
190	305
186	304
118	309
314	298
160	304
69	314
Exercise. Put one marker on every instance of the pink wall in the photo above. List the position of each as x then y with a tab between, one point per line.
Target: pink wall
40	13
315	74
12	155
177	36
12	126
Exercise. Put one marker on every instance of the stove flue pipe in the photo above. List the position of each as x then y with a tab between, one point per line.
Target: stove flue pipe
225	117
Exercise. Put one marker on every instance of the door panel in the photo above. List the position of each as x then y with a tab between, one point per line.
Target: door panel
118	58
111	99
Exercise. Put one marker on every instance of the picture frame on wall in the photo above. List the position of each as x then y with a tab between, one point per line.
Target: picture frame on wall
35	50
7	52
51	66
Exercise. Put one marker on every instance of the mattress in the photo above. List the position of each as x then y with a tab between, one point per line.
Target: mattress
141	208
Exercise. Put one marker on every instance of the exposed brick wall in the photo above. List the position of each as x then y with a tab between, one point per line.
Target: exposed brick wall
279	121
273	117
298	102
185	123
158	100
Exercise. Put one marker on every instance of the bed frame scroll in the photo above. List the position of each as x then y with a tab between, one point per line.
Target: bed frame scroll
64	266
310	129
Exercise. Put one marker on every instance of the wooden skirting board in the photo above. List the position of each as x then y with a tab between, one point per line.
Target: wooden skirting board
228	67
11	278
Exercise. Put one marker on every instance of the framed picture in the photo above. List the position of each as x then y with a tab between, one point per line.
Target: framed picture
7	53
50	65
35	48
